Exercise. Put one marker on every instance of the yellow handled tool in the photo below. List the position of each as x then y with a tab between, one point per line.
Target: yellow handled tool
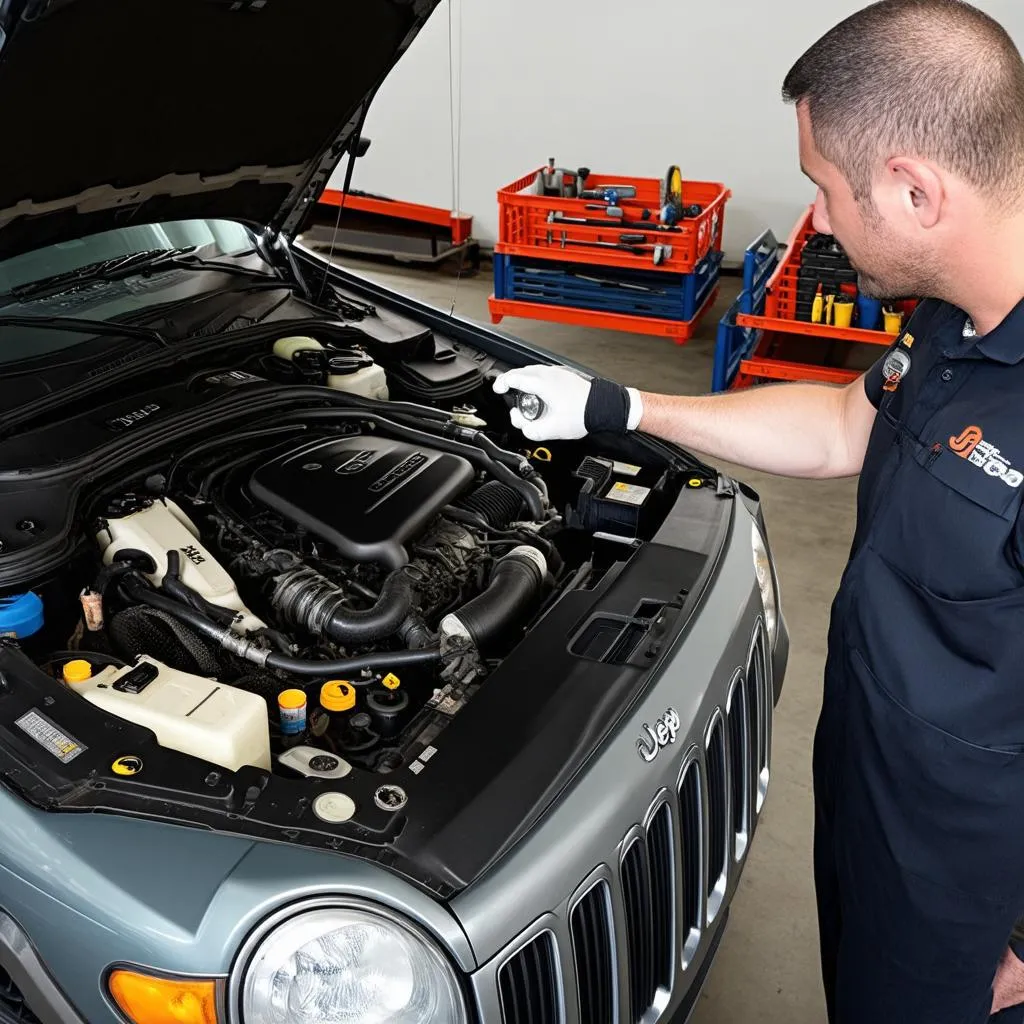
818	307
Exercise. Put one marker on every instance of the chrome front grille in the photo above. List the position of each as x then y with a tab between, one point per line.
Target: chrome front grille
717	769
741	765
692	831
529	984
594	955
647	877
615	956
760	699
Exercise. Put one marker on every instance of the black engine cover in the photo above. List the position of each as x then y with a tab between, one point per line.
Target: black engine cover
365	495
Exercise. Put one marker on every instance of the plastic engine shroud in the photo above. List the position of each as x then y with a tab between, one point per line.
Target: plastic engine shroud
364	495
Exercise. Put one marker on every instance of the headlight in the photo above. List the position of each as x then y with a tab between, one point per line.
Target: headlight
766	581
349	966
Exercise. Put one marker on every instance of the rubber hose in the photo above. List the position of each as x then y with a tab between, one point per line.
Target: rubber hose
174	585
311	601
514	585
496	502
139	590
516	462
345	667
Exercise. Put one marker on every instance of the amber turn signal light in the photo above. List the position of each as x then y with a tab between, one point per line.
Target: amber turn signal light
145	999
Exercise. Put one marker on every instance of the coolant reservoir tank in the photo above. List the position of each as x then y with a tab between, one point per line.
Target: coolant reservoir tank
159	526
369	382
218	723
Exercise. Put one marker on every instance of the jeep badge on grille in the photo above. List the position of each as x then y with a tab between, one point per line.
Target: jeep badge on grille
661	734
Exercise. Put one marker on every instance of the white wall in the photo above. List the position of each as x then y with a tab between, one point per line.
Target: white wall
624	88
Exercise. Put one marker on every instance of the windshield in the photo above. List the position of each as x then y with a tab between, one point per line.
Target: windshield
225	237
96	298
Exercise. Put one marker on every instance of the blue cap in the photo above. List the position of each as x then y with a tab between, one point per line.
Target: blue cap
21	615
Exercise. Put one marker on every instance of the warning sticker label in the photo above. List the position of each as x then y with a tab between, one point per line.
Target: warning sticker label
233	378
629	494
49	736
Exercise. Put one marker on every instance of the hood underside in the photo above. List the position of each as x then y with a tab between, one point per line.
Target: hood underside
119	113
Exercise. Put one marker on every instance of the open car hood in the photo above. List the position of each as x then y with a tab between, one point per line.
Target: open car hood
119	112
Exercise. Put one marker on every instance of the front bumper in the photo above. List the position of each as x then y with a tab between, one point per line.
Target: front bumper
618	899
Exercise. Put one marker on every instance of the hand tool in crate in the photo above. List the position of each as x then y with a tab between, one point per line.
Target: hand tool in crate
555	217
560	181
672	208
634	243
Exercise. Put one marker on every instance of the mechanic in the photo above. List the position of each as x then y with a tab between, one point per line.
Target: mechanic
911	124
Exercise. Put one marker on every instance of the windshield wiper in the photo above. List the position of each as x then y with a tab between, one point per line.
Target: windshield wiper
58	283
190	261
133	263
80	325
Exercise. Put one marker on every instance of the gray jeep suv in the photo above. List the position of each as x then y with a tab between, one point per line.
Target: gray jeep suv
324	698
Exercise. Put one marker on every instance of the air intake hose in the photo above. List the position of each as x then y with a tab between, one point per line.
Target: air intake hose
138	588
514	586
307	599
497	503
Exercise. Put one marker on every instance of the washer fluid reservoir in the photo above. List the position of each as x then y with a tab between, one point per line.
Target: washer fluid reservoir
218	723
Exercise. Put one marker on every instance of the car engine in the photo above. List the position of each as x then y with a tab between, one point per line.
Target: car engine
356	583
311	563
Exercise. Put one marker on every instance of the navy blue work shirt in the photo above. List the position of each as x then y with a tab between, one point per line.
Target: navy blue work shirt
928	624
941	591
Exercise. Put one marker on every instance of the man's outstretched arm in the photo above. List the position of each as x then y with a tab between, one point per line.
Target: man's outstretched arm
799	430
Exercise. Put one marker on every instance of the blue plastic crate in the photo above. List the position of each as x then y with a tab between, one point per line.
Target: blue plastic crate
607	289
733	343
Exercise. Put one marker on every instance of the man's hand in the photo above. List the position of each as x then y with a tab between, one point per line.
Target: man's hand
1008	987
573	405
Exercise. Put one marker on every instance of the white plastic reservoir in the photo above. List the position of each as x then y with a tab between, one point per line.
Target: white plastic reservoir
163	527
219	723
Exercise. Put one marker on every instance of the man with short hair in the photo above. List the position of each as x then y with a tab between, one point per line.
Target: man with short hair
911	125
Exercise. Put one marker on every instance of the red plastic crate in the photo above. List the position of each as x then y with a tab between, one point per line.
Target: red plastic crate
524	229
789	357
781	297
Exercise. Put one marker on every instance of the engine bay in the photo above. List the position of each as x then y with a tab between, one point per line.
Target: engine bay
317	590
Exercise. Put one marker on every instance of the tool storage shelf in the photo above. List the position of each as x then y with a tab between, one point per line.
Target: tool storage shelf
525	227
747	352
768	333
786	306
645	302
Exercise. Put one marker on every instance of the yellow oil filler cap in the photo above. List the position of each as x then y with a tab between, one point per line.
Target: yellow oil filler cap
337	695
77	671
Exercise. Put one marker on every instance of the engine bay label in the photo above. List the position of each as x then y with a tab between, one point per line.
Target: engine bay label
233	378
49	736
629	494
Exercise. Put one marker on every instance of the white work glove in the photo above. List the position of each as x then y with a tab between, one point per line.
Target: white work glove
574	405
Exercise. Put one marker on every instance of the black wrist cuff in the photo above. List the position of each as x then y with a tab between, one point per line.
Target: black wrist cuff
607	407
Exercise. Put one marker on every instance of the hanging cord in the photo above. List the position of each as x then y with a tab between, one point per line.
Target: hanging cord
353	146
455	101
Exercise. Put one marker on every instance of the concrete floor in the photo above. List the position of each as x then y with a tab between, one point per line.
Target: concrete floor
767	969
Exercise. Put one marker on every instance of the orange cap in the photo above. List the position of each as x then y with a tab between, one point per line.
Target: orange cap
291	700
337	695
77	671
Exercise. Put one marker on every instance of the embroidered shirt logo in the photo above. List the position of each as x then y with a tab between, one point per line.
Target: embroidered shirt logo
971	445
